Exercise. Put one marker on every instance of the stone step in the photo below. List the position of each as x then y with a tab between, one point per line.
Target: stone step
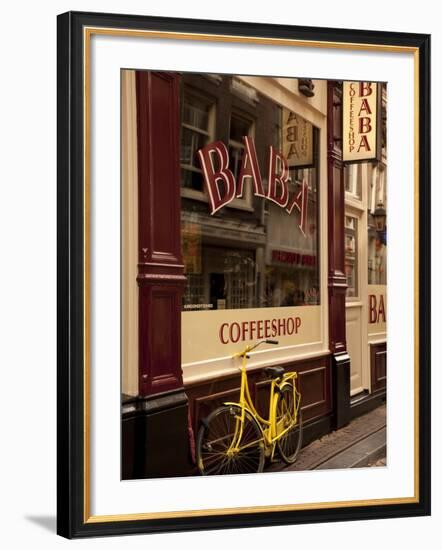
359	455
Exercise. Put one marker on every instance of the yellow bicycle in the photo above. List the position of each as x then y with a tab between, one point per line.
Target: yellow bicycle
235	439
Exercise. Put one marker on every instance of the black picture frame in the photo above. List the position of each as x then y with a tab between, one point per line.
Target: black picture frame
73	517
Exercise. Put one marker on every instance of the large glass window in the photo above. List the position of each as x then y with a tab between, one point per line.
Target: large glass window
262	256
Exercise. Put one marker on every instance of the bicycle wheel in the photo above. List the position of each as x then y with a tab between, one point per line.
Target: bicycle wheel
214	456
290	443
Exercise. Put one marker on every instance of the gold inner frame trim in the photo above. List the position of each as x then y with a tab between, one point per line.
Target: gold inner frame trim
248	510
87	34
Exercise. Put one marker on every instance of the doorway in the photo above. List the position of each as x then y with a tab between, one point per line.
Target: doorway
356	307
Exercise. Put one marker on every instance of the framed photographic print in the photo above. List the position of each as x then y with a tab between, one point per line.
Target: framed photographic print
225	279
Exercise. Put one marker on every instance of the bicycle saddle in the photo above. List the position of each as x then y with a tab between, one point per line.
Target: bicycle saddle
274	372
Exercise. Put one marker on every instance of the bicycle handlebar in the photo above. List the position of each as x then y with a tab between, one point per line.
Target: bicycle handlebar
250	348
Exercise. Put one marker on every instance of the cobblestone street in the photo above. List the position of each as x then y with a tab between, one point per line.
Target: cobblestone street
360	444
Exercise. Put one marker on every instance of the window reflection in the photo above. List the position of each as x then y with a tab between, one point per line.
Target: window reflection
251	252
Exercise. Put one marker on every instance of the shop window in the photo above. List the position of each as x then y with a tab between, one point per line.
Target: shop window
265	256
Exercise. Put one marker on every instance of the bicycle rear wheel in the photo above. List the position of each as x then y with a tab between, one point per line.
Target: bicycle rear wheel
290	443
213	450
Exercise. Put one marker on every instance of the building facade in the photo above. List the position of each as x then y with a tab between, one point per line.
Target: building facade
241	222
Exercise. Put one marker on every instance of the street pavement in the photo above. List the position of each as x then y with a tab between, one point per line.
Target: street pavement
361	443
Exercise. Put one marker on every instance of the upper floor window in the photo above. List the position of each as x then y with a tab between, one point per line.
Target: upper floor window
239	127
352	181
351	255
377	226
196	132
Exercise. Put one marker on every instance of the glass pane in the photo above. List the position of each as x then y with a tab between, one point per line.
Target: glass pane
192	180
235	157
191	142
351	255
187	146
195	112
377	256
377	228
352	180
239	128
277	127
266	256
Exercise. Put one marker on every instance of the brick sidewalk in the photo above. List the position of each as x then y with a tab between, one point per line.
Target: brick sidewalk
351	446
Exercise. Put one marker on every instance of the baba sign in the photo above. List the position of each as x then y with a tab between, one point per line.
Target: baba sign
222	187
360	129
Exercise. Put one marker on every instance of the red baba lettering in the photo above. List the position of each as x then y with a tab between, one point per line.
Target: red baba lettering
222	187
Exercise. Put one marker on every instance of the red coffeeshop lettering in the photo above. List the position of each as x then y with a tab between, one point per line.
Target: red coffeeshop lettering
262	328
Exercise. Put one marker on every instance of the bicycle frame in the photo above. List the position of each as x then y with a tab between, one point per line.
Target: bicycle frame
268	427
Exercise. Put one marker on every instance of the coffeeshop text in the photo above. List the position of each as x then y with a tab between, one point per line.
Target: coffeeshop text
258	329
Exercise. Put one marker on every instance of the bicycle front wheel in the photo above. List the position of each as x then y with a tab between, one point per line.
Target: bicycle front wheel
290	443
214	451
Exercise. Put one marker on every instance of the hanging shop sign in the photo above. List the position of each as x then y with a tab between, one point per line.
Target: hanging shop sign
222	187
297	140
361	139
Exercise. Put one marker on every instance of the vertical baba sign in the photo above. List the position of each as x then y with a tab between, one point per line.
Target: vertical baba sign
297	142
360	126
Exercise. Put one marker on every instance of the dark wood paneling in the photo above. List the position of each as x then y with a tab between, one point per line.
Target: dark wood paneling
378	365
261	389
313	387
158	167
205	404
160	271
314	383
337	281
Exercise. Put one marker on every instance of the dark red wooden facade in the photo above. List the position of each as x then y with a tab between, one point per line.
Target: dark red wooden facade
337	280
160	268
160	413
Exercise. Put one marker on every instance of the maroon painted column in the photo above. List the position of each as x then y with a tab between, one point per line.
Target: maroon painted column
160	267
337	280
161	432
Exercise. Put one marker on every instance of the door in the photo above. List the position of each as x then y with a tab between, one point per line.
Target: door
356	326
